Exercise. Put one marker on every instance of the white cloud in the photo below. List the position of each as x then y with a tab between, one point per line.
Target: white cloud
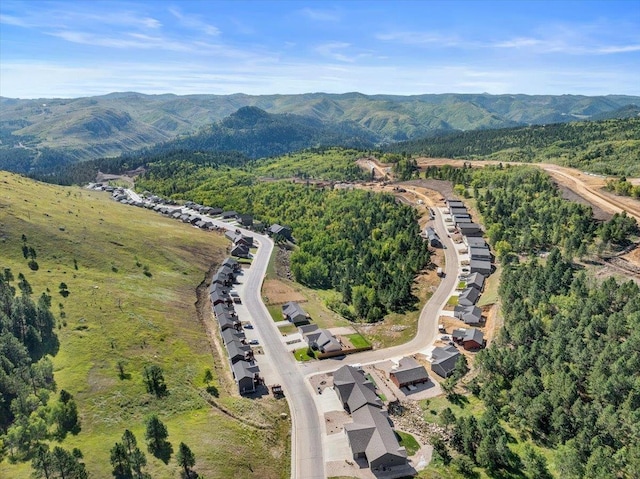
332	50
194	22
321	15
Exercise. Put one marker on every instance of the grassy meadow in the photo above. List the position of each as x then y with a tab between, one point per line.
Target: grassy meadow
132	277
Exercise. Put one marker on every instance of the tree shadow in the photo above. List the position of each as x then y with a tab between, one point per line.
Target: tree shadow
213	391
164	451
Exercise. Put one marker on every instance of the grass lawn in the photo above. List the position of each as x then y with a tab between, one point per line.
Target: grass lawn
358	340
302	354
116	312
275	310
288	329
408	442
453	300
468	406
461	285
490	293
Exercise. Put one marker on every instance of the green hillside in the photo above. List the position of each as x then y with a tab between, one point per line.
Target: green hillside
84	128
607	147
132	277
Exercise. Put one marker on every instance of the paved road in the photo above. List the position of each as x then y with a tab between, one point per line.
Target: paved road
427	323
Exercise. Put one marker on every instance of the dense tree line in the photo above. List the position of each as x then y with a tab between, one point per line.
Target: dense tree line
27	338
608	147
565	369
364	245
623	187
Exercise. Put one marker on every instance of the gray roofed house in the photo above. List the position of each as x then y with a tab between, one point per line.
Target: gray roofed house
222	278
354	389
451	203
221	309
228	215
218	296
444	360
320	339
215	211
228	322
284	231
240	251
480	266
468	314
176	214
468	297
432	236
184	218
475	241
245	374
237	351
232	335
481	253
408	373
470	229
458	211
231	263
476	280
293	312
470	338
370	436
460	220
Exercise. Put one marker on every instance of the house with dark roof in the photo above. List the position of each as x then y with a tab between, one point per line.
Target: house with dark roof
476	252
229	335
443	360
480	266
219	297
320	339
468	297
222	278
469	229
453	203
471	338
408	373
354	390
432	236
232	263
468	314
246	374
476	280
293	312
475	241
240	251
371	437
459	211
245	220
226	215
458	220
228	322
222	309
236	351
279	230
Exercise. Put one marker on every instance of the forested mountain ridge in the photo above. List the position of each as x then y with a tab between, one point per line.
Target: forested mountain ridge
84	128
610	147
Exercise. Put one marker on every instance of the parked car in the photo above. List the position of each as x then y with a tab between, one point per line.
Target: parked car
254	342
248	326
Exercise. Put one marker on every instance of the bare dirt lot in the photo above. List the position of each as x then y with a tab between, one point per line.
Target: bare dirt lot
277	292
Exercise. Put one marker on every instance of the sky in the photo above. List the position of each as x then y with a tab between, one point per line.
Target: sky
85	48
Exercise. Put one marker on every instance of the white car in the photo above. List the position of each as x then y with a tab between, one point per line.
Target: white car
254	342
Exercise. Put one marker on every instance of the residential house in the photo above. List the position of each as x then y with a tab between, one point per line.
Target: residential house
469	229
240	251
468	297
232	263
443	360
483	254
354	390
432	236
226	215
222	278
246	374
471	338
238	352
371	437
231	334
468	314
279	230
475	241
480	266
452	203
245	220
293	312
408	373
459	211
321	340
476	280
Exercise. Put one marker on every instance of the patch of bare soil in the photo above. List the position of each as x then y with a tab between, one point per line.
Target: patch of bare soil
277	292
494	322
443	187
569	194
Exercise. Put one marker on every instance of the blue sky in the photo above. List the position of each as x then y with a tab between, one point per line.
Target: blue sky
82	48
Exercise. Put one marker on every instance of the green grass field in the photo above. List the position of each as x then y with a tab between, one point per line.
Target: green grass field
302	354
408	442
358	340
115	312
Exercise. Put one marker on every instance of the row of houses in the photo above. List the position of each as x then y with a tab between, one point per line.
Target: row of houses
370	435
240	355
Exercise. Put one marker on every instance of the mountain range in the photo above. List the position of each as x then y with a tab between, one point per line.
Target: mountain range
84	128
